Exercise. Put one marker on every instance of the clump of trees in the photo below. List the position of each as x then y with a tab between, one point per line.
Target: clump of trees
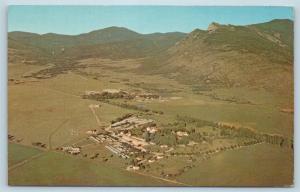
107	95
133	107
39	144
198	137
277	140
195	121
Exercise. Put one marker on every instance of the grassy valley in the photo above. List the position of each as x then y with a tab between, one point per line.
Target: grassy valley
114	107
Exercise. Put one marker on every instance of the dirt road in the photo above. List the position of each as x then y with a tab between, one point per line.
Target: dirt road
54	131
26	161
160	178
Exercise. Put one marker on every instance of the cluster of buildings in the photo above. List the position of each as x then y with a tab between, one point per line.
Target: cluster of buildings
118	150
119	140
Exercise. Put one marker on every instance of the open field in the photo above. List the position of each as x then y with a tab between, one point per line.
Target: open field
58	169
18	153
262	118
260	165
32	111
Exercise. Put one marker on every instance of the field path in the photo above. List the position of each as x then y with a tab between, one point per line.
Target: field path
26	161
92	108
160	178
62	92
54	131
80	76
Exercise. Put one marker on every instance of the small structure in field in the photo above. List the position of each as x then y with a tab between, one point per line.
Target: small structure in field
91	132
192	143
71	150
164	146
132	168
151	129
151	161
181	133
159	157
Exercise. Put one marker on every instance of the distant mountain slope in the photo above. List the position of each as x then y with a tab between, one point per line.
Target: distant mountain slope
280	29
19	51
102	41
143	46
259	55
52	40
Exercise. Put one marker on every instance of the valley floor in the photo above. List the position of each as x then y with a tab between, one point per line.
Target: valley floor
202	139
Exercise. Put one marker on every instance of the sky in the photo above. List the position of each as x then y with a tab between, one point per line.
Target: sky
73	20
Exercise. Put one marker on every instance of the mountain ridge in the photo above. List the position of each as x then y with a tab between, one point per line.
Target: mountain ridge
259	55
224	55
